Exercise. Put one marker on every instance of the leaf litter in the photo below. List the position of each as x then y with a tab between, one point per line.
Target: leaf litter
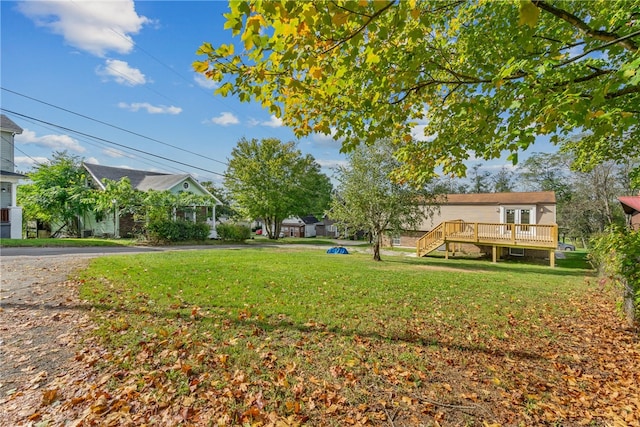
585	372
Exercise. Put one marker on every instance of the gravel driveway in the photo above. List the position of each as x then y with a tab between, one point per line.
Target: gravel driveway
40	321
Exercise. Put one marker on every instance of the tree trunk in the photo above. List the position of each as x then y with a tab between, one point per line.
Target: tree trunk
277	228
628	303
376	247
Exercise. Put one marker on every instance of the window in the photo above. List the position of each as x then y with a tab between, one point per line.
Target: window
395	240
522	216
516	251
185	185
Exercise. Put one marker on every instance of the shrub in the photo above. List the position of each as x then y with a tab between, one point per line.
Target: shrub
616	254
176	231
233	232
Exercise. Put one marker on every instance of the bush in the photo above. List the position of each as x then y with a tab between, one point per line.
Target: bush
616	254
233	232
177	231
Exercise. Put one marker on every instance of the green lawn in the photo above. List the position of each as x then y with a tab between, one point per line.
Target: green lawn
66	242
295	334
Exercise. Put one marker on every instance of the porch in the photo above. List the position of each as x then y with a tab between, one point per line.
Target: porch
496	235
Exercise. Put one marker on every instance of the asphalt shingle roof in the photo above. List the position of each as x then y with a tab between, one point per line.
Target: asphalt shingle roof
8	125
99	172
530	197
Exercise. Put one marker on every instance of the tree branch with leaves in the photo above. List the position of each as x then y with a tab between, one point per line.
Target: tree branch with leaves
367	71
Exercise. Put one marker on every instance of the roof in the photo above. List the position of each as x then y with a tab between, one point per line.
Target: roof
630	204
513	198
310	219
8	125
142	180
10	174
99	172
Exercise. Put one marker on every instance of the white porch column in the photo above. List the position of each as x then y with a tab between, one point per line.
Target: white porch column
15	217
14	194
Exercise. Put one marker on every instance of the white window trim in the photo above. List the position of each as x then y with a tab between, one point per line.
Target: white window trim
533	218
531	208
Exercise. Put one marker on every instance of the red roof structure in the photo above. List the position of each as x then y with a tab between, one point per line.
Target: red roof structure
631	206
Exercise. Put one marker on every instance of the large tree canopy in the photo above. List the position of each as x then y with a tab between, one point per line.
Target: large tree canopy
480	77
271	180
57	193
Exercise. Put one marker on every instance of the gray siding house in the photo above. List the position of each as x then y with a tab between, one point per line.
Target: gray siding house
10	212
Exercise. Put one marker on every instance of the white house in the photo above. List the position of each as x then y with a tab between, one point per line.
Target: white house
10	212
122	225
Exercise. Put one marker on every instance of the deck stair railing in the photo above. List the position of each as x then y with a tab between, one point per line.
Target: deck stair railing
436	237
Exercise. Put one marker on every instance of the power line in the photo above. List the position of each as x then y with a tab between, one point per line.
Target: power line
110	142
125	152
112	126
34	160
98	144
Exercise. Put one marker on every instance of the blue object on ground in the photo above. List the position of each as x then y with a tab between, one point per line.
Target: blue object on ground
337	250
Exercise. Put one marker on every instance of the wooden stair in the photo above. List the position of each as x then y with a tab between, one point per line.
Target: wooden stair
432	240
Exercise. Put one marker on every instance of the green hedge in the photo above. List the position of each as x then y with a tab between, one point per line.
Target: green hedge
233	232
177	231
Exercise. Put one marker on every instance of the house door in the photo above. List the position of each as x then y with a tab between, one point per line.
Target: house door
521	218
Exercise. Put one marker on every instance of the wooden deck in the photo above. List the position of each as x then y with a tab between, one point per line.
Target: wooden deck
497	235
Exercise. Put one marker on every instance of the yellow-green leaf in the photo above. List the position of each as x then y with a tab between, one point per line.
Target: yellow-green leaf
372	58
529	13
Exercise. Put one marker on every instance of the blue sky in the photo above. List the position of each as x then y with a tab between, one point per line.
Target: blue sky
127	65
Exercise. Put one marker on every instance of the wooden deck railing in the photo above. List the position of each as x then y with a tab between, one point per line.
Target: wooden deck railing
497	234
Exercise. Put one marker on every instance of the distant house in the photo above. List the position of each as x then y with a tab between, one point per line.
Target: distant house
327	228
310	222
503	224
117	225
299	227
10	212
631	207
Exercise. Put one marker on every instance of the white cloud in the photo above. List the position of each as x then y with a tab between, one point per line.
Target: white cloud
204	82
151	109
326	139
54	142
121	73
24	163
114	153
96	27
92	160
332	164
225	119
273	122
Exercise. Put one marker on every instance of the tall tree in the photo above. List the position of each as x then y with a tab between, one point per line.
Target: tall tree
58	193
367	199
503	181
480	180
548	172
368	70
272	180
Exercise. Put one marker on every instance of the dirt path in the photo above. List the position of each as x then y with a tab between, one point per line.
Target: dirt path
40	322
